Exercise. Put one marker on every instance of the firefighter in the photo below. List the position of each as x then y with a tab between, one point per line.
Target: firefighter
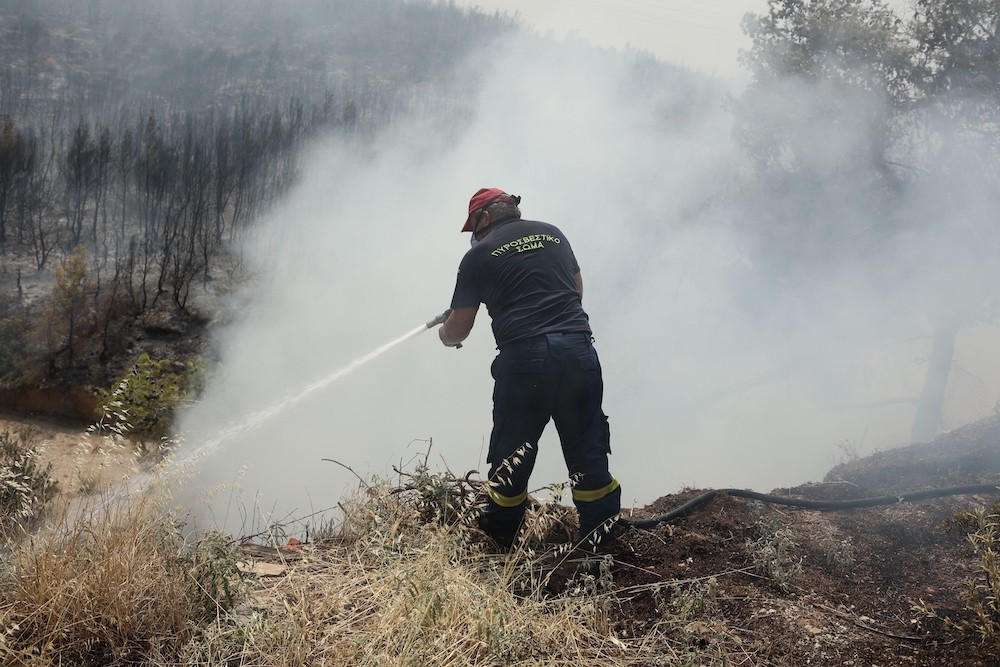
547	368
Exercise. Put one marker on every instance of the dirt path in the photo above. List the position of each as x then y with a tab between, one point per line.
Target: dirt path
82	461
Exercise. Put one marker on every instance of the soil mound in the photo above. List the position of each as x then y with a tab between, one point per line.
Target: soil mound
793	586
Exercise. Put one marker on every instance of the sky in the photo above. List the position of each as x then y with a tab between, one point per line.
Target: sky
700	34
704	35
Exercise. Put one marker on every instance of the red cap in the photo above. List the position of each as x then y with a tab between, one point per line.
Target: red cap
481	200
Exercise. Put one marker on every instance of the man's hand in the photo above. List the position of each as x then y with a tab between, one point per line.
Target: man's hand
458	326
439	319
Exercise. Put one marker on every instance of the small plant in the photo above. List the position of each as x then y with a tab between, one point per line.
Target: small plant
440	497
88	481
101	445
838	551
849	451
547	521
683	602
688	609
25	485
216	582
982	591
771	553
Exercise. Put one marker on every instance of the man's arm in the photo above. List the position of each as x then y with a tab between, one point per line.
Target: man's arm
579	284
458	325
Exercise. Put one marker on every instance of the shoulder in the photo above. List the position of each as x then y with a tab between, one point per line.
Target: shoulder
547	226
548	229
473	256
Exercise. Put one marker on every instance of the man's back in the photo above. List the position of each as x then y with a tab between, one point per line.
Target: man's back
525	273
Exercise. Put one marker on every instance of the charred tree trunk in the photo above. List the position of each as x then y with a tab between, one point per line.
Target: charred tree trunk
927	421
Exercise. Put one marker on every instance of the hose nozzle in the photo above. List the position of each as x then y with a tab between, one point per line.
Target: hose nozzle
439	319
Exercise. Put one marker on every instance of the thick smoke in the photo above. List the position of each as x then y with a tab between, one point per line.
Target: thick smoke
711	379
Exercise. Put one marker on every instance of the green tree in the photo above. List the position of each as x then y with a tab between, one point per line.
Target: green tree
862	129
956	89
852	42
960	53
829	82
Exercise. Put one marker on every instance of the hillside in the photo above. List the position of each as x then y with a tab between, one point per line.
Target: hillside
798	587
148	139
143	143
739	582
735	582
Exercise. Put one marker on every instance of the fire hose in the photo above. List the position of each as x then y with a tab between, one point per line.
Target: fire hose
820	505
439	319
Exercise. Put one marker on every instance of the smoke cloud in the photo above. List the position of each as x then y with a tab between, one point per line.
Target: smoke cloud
710	379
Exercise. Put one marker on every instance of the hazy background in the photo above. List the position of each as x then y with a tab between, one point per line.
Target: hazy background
720	370
705	36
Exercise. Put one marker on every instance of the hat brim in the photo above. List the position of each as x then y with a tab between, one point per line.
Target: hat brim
468	224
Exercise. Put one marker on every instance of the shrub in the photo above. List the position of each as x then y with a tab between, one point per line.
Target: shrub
982	590
771	548
147	396
26	486
216	582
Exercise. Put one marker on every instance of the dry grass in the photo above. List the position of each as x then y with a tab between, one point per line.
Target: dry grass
99	588
390	587
398	592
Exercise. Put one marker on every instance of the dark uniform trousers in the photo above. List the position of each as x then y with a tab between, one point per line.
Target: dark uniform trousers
555	376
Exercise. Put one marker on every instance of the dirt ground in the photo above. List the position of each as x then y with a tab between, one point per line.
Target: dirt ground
749	583
845	589
83	460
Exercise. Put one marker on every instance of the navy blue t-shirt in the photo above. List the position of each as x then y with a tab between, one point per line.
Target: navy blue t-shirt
524	272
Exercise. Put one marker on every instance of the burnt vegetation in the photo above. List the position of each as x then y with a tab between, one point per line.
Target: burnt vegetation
139	144
140	141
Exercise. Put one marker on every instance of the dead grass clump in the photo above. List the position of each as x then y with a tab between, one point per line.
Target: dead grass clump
108	586
394	589
406	580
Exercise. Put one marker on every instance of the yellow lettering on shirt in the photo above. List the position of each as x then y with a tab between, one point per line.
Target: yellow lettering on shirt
525	243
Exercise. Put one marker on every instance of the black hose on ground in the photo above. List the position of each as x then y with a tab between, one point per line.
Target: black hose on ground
821	505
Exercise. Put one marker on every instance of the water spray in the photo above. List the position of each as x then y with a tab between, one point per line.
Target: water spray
250	422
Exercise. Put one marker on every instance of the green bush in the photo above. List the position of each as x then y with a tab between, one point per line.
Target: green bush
144	400
216	582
